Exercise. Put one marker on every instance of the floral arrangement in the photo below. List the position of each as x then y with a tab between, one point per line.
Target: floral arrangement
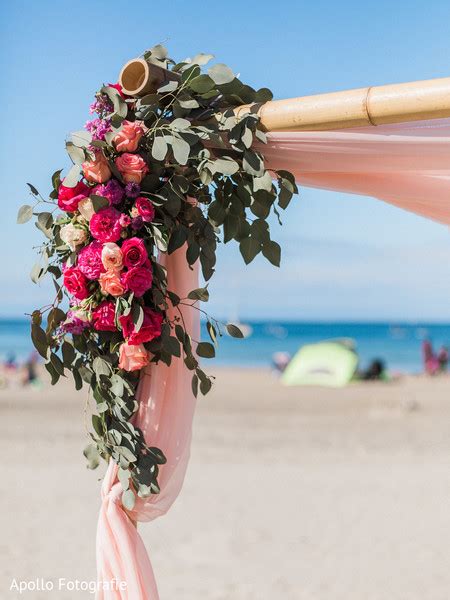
175	168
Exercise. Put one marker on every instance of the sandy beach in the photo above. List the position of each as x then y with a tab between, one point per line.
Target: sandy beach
292	493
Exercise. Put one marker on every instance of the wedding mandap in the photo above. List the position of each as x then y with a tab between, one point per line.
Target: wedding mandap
176	161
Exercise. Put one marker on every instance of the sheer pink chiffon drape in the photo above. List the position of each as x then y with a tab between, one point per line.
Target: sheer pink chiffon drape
166	410
407	165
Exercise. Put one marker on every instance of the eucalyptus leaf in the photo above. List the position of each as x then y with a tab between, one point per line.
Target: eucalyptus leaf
25	213
221	74
128	499
72	177
249	248
159	148
205	350
234	331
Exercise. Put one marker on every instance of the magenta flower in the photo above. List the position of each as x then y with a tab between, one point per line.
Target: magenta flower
105	225
90	260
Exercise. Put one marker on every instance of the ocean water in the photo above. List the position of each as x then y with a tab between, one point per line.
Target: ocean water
398	344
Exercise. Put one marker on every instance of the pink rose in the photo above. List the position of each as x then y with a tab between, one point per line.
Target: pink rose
69	198
90	260
112	257
150	328
127	140
110	284
132	167
132	358
138	280
105	225
97	170
145	209
134	252
104	317
76	283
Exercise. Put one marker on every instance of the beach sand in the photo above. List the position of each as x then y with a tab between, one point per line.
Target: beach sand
292	493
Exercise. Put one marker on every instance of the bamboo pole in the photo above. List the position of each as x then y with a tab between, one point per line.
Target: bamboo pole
395	103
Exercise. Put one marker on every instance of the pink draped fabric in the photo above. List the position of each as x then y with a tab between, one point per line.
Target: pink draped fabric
166	410
407	165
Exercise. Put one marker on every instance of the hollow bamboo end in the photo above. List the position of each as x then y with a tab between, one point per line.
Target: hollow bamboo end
134	77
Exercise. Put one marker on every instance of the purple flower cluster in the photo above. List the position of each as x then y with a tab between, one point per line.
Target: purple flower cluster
111	190
132	190
98	128
73	324
102	105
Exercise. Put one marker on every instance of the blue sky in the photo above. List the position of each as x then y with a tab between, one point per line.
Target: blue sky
344	257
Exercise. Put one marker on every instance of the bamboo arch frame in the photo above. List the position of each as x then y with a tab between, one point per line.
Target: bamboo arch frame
395	103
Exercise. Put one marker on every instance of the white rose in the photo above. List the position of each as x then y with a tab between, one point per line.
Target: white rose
73	236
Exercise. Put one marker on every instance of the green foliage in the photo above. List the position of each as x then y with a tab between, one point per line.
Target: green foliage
209	184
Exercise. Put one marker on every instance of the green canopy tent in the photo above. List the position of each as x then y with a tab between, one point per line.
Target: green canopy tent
330	363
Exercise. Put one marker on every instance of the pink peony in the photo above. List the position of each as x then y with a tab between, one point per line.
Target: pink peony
105	225
112	257
128	138
90	260
132	167
138	280
134	252
132	358
97	170
69	198
110	284
145	209
104	317
150	328
76	283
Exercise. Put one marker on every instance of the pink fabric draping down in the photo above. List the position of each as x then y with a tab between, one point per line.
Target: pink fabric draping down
407	165
166	410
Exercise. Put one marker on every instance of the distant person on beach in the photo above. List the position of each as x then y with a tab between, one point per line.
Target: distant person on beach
280	361
11	363
376	371
430	360
443	359
31	374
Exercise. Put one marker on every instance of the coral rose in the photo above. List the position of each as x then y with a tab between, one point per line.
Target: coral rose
112	257
150	328
145	209
138	280
90	260
134	252
69	198
110	284
105	225
97	170
132	167
104	317
128	138
76	283
132	358
73	236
